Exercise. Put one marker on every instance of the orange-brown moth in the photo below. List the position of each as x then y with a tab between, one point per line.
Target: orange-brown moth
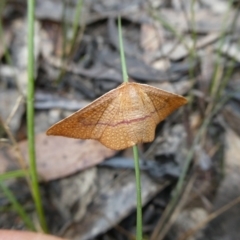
122	117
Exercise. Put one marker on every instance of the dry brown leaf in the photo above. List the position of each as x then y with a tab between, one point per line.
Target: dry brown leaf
59	157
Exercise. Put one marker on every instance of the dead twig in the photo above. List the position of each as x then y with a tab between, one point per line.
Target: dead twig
212	216
177	210
14	110
19	155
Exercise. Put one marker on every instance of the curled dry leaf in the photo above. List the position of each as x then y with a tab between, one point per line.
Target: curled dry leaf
122	117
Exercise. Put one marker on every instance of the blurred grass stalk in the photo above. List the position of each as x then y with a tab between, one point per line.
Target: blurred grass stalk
18	173
216	79
192	51
11	197
12	174
30	116
169	27
75	26
67	47
2	40
17	206
216	90
228	73
135	149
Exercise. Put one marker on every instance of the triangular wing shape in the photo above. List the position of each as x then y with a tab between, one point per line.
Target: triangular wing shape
164	102
84	123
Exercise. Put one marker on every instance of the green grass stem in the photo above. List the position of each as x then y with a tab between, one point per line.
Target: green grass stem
76	24
193	25
2	40
75	27
229	72
123	60
169	27
64	29
139	195
12	174
17	206
214	82
30	117
192	51
135	149
12	199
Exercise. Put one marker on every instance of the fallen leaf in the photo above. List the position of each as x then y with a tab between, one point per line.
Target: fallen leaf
59	157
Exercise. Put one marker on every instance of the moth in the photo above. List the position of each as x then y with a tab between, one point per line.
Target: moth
121	118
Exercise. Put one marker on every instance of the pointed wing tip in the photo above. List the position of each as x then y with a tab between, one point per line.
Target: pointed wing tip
177	102
184	100
56	129
181	100
51	131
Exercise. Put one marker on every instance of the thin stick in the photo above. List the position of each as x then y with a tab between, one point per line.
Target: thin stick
135	149
30	117
178	208
14	110
211	216
22	164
